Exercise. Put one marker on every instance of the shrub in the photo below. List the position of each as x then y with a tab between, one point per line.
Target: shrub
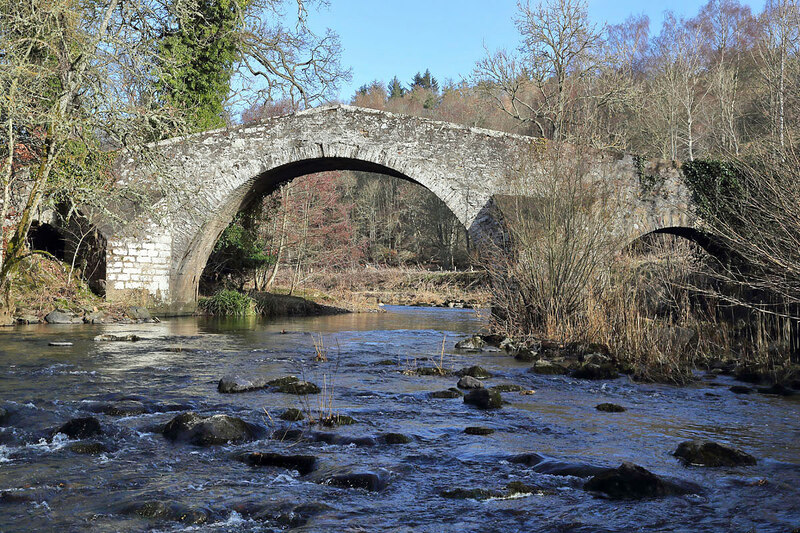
228	303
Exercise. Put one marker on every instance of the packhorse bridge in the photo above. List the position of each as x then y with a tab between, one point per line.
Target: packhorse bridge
204	179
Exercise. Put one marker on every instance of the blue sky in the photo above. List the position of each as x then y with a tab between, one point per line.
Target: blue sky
381	39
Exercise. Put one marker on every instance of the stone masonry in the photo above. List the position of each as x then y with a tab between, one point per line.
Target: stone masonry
199	182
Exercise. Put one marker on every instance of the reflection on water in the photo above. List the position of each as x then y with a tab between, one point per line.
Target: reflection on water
47	486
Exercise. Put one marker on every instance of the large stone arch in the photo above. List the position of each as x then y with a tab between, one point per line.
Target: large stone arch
159	254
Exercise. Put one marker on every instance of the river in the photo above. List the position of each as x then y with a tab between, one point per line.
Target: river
47	486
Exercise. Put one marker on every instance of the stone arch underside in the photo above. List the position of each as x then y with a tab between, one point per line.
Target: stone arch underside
159	255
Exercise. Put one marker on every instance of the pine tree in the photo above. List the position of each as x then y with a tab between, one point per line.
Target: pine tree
396	89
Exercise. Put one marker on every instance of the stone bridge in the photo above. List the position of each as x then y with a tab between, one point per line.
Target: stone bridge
204	179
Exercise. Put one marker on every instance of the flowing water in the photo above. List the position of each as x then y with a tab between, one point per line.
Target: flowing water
47	486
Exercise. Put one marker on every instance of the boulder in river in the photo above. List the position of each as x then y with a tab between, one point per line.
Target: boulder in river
526	355
175	512
470	494
304	464
138	313
484	399
708	453
478	430
107	337
3	415
88	448
207	430
596	371
777	389
395	438
292	415
632	482
548	368
610	408
60	316
447	394
366	480
468	382
125	408
234	384
81	428
292	385
475	371
472	344
741	389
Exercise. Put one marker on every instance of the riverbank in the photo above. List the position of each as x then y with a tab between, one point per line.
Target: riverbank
366	288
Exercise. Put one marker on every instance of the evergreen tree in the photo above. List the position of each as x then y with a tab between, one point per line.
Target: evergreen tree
396	89
199	57
425	81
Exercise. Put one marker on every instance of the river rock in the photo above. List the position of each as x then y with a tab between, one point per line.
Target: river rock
632	482
508	387
447	394
3	415
777	389
554	467
337	420
207	430
395	438
478	430
304	464
88	448
470	494
741	389
708	453
526	355
292	415
138	313
472	344
484	399
548	368
292	385
610	408
60	316
367	481
94	317
468	382
175	512
234	384
596	371
28	319
125	408
81	428
107	337
475	371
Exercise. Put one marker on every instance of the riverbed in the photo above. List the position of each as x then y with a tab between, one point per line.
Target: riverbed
133	388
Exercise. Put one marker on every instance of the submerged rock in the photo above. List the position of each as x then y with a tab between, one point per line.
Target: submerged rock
427	371
470	494
472	344
367	481
740	389
175	512
207	430
88	448
484	399
59	344
337	420
708	453
395	438
475	371
777	389
469	382
554	467
292	415
235	384
632	482
81	428
478	430
447	394
304	464
508	387
125	408
610	408
107	337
